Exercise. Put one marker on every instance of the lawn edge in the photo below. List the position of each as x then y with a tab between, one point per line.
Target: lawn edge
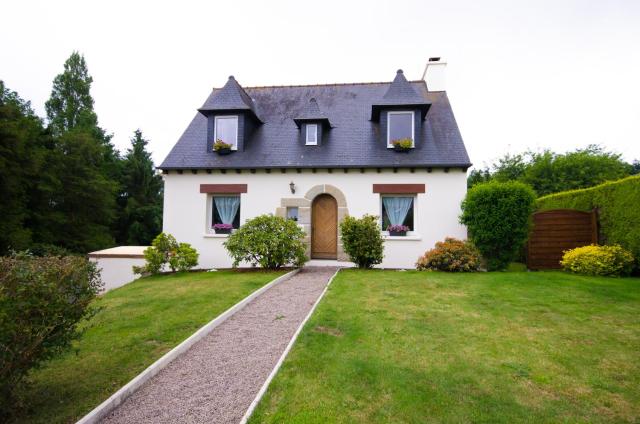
106	407
276	368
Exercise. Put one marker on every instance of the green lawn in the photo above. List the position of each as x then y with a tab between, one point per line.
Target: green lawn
137	325
389	346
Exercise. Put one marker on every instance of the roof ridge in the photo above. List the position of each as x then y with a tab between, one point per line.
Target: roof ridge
322	85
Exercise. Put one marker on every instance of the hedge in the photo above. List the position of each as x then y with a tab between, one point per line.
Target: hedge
618	204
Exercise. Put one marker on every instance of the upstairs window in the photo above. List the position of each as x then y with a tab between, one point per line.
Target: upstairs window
400	126
398	210
226	129
312	135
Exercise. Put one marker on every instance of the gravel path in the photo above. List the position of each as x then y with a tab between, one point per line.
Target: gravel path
217	379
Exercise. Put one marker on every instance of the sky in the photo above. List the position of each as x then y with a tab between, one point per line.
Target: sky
521	75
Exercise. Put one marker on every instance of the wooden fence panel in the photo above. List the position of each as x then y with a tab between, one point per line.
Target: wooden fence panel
557	230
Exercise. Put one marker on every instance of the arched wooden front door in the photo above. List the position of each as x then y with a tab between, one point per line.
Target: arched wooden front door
324	227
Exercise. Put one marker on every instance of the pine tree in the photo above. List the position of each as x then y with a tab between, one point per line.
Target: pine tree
141	195
86	164
71	104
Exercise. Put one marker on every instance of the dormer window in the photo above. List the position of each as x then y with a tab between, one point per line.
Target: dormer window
311	135
226	129
400	126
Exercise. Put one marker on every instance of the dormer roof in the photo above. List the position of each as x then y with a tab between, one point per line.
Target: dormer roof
312	113
400	94
230	98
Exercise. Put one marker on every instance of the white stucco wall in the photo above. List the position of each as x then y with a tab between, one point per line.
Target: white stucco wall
436	211
116	264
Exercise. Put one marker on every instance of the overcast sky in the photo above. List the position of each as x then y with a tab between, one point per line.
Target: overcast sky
520	75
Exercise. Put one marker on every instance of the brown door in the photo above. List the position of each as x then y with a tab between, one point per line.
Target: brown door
324	227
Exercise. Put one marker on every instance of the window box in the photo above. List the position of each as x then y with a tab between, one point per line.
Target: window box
402	145
223	228
222	148
397	230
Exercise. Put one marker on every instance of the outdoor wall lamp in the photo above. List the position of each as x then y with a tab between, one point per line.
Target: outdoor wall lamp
292	186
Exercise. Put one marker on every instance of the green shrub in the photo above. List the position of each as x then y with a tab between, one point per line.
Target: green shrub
362	240
268	241
618	212
165	250
497	216
185	258
598	260
451	255
42	300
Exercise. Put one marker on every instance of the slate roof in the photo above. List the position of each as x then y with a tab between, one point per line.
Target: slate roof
229	98
353	142
312	112
400	93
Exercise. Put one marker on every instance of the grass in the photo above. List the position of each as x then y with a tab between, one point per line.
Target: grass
411	347
137	324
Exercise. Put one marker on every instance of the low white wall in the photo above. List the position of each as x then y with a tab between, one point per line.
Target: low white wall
116	272
436	211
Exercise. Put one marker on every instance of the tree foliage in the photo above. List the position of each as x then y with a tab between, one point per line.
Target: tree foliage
140	199
548	172
66	185
497	216
362	240
42	300
267	241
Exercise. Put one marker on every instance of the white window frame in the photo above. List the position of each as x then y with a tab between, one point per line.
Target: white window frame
315	133
234	145
413	232
413	126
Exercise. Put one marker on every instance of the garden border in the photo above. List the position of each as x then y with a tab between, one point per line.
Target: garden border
276	368
106	407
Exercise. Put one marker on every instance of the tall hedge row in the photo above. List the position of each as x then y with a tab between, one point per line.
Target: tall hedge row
618	204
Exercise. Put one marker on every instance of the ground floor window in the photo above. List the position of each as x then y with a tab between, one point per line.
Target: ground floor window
398	210
226	210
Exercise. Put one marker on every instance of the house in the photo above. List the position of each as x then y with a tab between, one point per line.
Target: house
317	153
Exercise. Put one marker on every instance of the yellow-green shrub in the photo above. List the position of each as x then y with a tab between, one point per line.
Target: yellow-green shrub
598	260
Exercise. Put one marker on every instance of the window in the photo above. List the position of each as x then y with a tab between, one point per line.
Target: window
292	213
312	135
226	129
225	209
400	125
398	210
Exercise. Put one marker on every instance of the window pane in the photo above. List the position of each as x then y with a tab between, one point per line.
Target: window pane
400	126
292	213
398	211
227	129
312	134
226	210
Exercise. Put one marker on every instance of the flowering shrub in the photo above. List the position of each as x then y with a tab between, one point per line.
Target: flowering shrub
222	227
403	143
598	260
397	228
221	145
451	255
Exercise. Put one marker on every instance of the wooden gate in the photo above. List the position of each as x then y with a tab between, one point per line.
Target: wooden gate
557	230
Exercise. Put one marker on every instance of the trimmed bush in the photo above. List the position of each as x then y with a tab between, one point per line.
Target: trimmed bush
450	255
617	204
497	216
598	260
362	240
42	300
268	241
165	250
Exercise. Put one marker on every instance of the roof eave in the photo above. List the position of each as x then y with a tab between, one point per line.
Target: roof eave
377	108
